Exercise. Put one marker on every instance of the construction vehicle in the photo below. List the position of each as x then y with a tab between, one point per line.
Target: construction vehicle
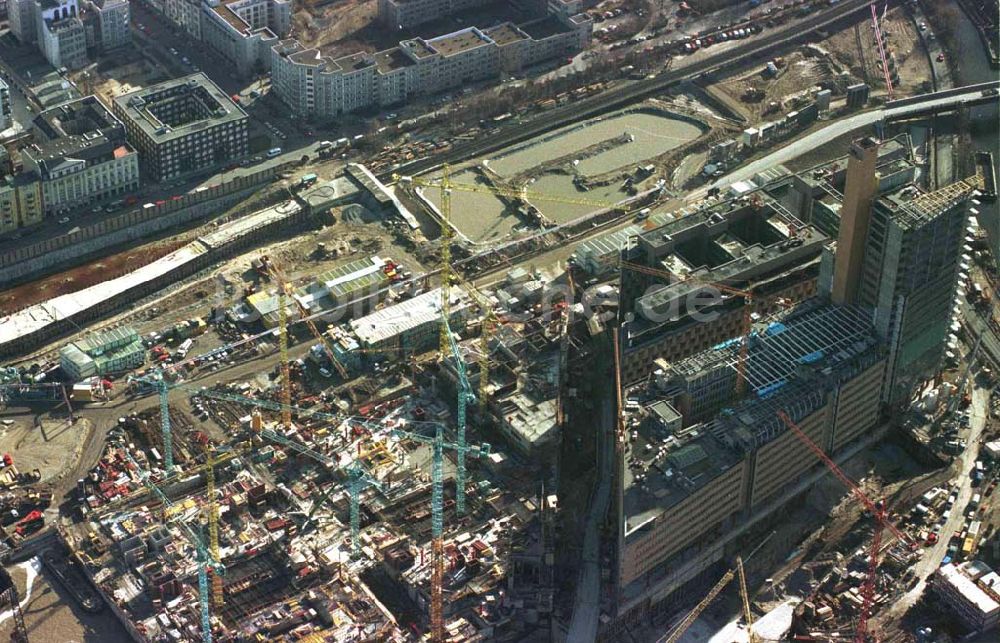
881	516
28	525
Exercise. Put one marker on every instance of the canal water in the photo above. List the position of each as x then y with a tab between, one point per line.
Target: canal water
974	68
482	218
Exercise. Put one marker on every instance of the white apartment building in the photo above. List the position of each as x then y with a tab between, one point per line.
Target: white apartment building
186	14
60	33
80	155
312	84
241	30
112	23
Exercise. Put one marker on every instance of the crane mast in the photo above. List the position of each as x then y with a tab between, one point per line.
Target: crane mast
204	557
878	511
464	395
168	443
286	376
693	615
446	238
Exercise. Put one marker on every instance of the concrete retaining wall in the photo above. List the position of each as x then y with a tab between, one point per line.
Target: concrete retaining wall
42	256
125	298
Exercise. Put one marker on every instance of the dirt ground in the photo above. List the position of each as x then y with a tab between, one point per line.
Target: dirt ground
799	72
856	50
347	237
14	299
52	448
853	52
318	22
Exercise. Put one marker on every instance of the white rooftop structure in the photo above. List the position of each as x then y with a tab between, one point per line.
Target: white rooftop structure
411	314
978	606
23	323
35	318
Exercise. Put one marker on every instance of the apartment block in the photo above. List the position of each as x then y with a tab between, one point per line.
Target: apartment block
20	202
312	84
241	30
61	35
81	155
183	125
21	18
971	590
112	20
185	14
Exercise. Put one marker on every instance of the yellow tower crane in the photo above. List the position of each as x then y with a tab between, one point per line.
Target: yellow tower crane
285	288
448	276
674	635
745	599
286	376
212	507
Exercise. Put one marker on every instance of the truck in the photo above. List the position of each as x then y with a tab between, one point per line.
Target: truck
307	180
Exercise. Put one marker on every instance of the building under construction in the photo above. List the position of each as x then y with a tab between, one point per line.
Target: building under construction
750	238
706	456
690	489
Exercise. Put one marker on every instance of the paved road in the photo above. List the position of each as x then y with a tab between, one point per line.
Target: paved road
587	607
631	92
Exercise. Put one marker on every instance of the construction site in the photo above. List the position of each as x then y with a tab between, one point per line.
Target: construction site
599	384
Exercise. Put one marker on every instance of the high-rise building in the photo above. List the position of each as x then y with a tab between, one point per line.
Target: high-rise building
5	109
855	215
910	277
21	16
112	23
689	492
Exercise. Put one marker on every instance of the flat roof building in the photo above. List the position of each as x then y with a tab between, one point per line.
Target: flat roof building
747	239
312	83
183	125
687	491
410	326
113	351
357	284
81	155
972	591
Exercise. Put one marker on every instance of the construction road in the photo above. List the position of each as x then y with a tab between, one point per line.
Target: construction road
587	606
932	558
